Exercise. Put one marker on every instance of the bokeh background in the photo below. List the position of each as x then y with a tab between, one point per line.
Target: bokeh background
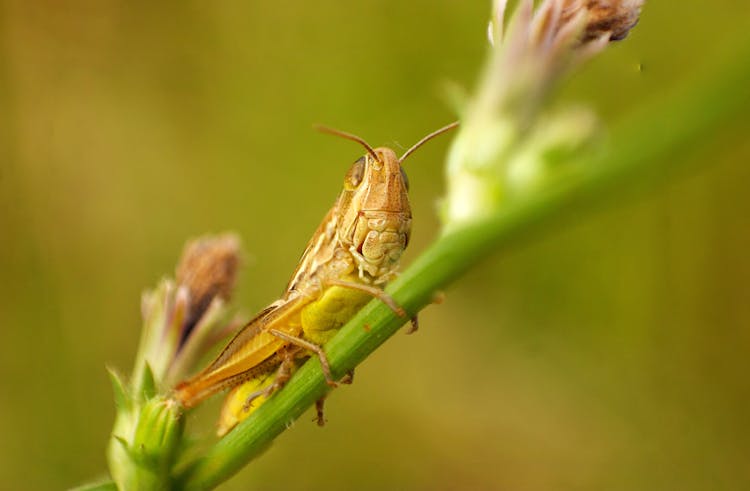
611	352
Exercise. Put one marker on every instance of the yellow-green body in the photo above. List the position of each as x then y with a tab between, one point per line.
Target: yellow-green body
235	407
320	321
322	318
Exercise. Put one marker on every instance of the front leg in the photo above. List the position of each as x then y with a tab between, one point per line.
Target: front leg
360	261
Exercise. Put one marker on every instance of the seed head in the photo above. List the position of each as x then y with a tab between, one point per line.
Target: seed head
612	19
208	269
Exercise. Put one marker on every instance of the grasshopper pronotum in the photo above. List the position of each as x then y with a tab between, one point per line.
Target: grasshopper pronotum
354	252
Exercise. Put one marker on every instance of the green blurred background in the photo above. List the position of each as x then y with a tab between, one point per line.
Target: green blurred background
610	353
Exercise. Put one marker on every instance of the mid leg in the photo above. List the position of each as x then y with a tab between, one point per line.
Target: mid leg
320	414
311	347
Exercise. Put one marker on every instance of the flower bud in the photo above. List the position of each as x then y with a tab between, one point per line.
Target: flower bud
504	145
145	443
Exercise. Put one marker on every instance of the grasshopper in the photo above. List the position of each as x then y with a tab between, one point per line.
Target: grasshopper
351	256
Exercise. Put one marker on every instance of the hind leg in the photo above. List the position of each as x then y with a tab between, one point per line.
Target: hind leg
283	374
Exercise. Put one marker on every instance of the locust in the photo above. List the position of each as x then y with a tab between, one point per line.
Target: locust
351	256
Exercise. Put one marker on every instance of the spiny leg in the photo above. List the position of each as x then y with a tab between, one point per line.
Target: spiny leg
312	347
283	374
372	290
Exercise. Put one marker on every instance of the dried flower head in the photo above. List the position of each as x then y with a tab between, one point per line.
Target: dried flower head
184	319
208	269
612	19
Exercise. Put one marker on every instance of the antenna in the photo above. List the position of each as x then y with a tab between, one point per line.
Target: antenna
428	138
348	136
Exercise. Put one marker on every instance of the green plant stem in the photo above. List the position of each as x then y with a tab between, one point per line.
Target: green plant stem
642	150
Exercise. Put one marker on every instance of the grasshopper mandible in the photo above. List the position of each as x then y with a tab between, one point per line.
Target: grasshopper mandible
351	256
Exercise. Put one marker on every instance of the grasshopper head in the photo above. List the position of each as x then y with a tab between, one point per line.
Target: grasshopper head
378	184
373	213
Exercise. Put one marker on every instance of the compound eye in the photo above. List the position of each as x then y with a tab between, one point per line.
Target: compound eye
405	178
356	173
